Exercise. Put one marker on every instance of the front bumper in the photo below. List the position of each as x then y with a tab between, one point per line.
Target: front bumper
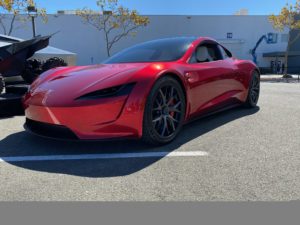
108	119
49	130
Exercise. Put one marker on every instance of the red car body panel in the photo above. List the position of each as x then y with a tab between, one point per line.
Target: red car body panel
52	98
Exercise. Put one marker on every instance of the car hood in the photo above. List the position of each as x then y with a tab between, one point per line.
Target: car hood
60	86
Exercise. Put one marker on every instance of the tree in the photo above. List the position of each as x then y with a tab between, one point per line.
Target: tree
114	20
288	19
11	11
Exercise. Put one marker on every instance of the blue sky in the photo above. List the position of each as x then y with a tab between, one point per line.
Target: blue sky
177	7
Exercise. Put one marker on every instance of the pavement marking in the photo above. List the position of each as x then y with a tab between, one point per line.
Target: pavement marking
102	156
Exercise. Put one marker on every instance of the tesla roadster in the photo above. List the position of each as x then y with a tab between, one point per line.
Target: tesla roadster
148	91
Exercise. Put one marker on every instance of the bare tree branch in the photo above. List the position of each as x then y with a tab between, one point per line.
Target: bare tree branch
114	20
2	25
11	27
11	10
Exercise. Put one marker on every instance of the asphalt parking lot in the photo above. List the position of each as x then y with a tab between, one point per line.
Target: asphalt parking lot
237	155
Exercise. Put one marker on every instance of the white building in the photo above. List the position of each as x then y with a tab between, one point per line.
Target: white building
238	33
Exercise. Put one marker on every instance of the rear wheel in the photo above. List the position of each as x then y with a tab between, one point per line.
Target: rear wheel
254	91
164	112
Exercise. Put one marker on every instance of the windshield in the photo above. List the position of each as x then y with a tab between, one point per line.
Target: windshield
163	50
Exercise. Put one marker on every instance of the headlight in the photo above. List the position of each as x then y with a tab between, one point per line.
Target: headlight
115	91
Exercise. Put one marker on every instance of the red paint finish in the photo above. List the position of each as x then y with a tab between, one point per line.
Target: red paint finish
52	98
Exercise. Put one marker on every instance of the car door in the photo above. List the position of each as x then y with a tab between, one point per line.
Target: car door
210	77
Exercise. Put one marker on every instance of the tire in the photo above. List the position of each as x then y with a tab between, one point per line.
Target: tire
164	112
2	85
52	63
33	69
254	91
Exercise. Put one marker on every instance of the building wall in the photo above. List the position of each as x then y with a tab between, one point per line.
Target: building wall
294	60
89	44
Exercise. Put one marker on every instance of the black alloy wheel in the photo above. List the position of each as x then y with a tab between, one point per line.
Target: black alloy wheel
164	112
254	91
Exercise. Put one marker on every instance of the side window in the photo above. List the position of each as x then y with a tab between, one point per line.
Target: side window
214	52
206	53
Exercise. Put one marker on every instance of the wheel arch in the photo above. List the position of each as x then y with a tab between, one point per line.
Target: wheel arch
255	69
258	71
178	79
182	83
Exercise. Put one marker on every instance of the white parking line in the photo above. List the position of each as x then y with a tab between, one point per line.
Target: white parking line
102	156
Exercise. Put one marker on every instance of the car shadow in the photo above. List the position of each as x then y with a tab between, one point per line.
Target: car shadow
24	144
4	116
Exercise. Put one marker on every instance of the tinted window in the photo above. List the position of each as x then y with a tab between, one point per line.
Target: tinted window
214	52
154	51
206	53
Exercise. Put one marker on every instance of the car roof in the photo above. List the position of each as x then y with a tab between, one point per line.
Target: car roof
192	39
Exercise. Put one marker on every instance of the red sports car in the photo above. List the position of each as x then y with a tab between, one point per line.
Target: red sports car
148	91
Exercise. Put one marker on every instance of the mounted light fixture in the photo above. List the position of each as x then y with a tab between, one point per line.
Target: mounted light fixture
32	13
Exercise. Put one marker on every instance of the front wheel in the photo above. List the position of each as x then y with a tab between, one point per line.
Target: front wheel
164	112
254	91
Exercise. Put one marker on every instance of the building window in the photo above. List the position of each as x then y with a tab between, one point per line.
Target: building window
229	35
272	38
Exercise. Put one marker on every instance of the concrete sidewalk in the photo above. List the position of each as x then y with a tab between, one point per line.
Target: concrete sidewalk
278	78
